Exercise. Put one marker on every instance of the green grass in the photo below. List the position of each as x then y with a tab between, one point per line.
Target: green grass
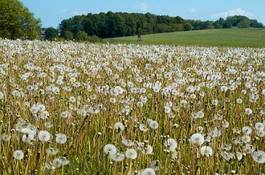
215	37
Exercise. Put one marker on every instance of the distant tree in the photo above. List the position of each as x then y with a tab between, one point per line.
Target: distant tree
245	23
187	27
17	22
130	23
208	25
81	36
51	33
256	24
227	24
219	23
89	26
105	25
239	21
115	24
68	35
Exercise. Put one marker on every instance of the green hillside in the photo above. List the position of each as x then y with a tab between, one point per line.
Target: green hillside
214	37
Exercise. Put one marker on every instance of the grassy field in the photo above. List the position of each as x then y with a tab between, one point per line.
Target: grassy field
99	109
216	37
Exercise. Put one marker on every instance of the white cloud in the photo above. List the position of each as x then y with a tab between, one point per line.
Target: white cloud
233	12
142	6
192	10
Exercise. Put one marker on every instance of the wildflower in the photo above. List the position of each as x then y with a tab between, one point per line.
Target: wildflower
167	109
44	136
197	139
5	137
149	149
65	114
246	138
44	115
227	155
215	102
215	132
249	148
153	124
117	157
131	154
260	133
110	149
259	126
117	91
239	101
248	111
127	142
60	138
57	162
157	86
171	144
206	151
119	126
225	124
247	130
148	171
198	114
143	128
52	151
258	156
154	165
64	161
18	154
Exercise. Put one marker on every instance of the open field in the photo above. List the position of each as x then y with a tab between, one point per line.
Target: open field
216	37
76	108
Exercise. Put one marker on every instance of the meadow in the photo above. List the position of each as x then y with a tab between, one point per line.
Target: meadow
78	108
254	38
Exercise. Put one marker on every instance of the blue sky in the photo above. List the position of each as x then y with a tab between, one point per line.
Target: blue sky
51	12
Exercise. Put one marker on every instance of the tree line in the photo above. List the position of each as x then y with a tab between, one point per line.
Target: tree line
16	21
106	25
229	22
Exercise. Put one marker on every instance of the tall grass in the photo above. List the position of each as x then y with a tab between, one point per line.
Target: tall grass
129	109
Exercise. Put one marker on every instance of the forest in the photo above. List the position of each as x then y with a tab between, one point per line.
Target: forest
108	25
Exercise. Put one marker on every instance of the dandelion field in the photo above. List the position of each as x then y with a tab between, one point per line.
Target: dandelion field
76	108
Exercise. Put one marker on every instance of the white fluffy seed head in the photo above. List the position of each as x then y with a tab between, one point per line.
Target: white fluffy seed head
119	126
44	136
197	139
258	156
206	151
131	154
171	144
148	171
18	154
110	149
60	138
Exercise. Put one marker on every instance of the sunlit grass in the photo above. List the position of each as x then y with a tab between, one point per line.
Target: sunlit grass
215	37
117	94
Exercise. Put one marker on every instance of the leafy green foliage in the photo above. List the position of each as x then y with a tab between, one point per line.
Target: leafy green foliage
108	25
81	36
17	22
111	24
51	33
68	35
